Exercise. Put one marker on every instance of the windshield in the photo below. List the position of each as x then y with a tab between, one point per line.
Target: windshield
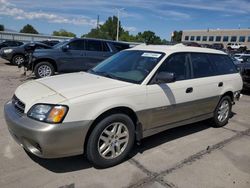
60	44
130	66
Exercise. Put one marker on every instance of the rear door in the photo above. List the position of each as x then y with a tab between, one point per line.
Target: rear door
94	53
206	83
72	59
224	68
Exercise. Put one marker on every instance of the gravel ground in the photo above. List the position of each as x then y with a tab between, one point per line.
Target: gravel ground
194	155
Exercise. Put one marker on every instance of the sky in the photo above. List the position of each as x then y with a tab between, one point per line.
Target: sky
161	17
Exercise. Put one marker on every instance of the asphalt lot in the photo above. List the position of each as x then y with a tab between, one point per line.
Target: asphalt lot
194	155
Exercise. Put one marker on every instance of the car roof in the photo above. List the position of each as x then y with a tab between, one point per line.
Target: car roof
175	48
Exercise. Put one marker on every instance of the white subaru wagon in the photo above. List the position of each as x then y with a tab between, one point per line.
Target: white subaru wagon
129	96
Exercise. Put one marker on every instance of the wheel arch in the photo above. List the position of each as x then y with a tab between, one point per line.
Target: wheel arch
123	110
51	61
15	54
228	93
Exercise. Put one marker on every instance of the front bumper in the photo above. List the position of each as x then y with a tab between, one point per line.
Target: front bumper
7	56
46	140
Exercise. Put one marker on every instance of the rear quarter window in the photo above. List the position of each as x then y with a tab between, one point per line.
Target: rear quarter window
223	64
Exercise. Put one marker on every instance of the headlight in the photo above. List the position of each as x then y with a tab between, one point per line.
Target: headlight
48	113
7	51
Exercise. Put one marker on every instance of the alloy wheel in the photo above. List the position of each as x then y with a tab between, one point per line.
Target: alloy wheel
113	140
44	71
19	60
223	111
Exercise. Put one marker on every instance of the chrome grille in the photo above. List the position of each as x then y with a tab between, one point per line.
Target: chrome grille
19	105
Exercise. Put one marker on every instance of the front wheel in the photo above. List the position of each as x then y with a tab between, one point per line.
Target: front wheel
18	60
44	69
110	141
222	112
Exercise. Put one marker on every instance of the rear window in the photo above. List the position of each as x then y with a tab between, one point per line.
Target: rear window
223	64
120	46
93	45
202	67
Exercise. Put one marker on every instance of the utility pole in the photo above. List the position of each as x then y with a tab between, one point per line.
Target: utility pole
97	23
118	22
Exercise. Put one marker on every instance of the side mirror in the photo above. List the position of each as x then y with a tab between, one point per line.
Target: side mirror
165	77
65	48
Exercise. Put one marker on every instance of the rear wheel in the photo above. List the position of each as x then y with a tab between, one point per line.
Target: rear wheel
222	112
18	60
110	141
44	69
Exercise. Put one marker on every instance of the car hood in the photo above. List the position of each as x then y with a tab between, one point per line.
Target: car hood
13	48
82	83
59	88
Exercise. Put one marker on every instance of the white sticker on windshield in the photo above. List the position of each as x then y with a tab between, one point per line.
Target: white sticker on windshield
154	55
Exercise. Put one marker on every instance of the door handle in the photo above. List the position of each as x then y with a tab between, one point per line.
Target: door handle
220	84
189	90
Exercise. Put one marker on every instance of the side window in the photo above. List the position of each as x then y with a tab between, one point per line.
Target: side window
177	64
94	45
12	43
41	47
119	46
105	47
223	63
76	45
201	65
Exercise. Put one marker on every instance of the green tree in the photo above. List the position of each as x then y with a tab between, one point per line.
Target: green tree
148	37
64	33
107	30
125	36
177	36
1	27
28	29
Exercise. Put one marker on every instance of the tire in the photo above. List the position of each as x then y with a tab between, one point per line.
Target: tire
44	69
103	155
219	120
18	60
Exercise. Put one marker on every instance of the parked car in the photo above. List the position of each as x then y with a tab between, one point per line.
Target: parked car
206	45
244	58
244	67
194	44
217	46
17	55
50	42
133	94
74	55
236	47
10	43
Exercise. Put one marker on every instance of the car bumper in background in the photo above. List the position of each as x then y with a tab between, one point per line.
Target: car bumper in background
6	56
43	139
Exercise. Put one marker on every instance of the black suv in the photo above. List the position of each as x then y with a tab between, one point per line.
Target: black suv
17	55
10	43
73	55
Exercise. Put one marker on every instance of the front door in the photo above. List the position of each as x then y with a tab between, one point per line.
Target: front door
172	102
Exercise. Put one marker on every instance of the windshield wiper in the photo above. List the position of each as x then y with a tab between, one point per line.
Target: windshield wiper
105	74
91	71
